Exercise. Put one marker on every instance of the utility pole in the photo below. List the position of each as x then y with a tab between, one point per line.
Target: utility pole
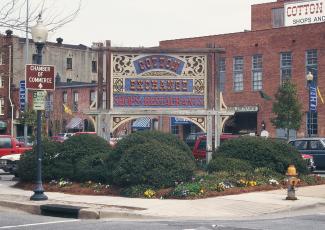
26	62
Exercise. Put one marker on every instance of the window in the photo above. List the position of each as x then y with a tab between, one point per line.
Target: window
312	63
94	66
65	97
5	142
175	129
312	66
286	66
238	75
257	72
104	100
92	97
75	101
278	17
2	106
221	74
69	63
2	58
2	81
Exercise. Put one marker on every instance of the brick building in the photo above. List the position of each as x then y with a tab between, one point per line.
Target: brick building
76	68
257	61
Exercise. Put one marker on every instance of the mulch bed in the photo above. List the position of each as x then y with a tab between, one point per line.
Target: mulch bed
79	189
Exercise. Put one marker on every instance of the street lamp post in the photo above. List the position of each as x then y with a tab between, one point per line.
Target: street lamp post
39	35
309	78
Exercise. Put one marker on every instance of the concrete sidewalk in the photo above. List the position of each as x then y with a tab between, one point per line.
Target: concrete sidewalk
225	207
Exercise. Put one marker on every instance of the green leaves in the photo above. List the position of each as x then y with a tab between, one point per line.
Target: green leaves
287	108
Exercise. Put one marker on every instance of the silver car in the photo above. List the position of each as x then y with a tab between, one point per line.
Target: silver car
314	146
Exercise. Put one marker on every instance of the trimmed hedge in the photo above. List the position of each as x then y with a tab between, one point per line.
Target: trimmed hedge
151	158
218	164
80	158
142	137
262	152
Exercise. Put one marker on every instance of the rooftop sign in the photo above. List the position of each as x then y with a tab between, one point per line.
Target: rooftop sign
304	12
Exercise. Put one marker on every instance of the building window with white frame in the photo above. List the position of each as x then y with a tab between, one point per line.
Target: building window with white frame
285	66
257	72
2	81
221	74
312	67
92	97
2	56
69	63
2	106
104	100
75	101
278	17
238	74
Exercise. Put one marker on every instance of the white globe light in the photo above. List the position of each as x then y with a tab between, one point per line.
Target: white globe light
39	32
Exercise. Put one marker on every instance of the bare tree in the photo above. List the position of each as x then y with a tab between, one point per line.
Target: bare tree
54	13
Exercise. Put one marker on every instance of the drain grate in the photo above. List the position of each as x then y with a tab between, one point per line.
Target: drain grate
60	210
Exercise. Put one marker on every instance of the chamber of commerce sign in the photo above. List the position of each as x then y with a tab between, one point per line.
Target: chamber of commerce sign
159	81
40	77
304	12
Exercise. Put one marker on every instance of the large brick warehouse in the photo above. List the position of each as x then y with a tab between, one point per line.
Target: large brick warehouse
257	61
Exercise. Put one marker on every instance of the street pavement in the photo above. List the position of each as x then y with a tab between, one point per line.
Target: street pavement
242	206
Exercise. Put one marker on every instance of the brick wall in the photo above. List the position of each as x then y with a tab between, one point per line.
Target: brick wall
269	43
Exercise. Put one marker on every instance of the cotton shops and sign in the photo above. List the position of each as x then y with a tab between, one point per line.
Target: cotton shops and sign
304	12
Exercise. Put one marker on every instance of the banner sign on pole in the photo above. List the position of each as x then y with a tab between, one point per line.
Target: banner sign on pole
22	95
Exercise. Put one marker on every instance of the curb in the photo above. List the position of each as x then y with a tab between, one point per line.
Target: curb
83	213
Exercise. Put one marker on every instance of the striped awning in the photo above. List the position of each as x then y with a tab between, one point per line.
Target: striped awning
75	123
142	122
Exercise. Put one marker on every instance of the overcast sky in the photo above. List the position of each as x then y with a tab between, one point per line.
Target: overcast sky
146	22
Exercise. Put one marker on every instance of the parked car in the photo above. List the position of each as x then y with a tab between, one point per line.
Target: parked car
21	139
65	136
59	139
314	146
10	151
80	133
191	138
199	149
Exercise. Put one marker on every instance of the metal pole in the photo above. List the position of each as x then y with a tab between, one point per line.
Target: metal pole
26	62
309	112
39	191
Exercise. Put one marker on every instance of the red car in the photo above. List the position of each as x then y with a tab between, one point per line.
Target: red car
199	149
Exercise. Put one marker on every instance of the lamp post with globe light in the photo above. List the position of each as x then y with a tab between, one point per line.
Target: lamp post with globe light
39	35
309	78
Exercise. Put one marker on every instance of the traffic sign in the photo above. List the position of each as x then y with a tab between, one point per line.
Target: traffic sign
40	77
39	100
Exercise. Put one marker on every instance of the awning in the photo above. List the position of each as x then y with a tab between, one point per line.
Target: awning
3	125
75	123
142	122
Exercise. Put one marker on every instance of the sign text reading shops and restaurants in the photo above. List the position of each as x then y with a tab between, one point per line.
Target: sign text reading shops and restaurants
39	77
158	81
304	12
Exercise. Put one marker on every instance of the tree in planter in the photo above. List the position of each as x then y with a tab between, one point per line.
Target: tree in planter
287	108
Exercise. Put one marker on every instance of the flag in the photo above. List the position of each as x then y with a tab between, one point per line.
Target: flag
67	109
264	95
320	95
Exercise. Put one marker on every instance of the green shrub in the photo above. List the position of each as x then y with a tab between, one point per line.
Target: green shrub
153	163
77	159
188	189
260	152
142	137
218	164
134	191
51	169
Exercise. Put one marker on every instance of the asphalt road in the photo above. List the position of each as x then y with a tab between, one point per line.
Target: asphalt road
13	219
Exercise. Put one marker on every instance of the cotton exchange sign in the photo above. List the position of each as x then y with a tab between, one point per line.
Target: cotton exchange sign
304	12
39	77
159	81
